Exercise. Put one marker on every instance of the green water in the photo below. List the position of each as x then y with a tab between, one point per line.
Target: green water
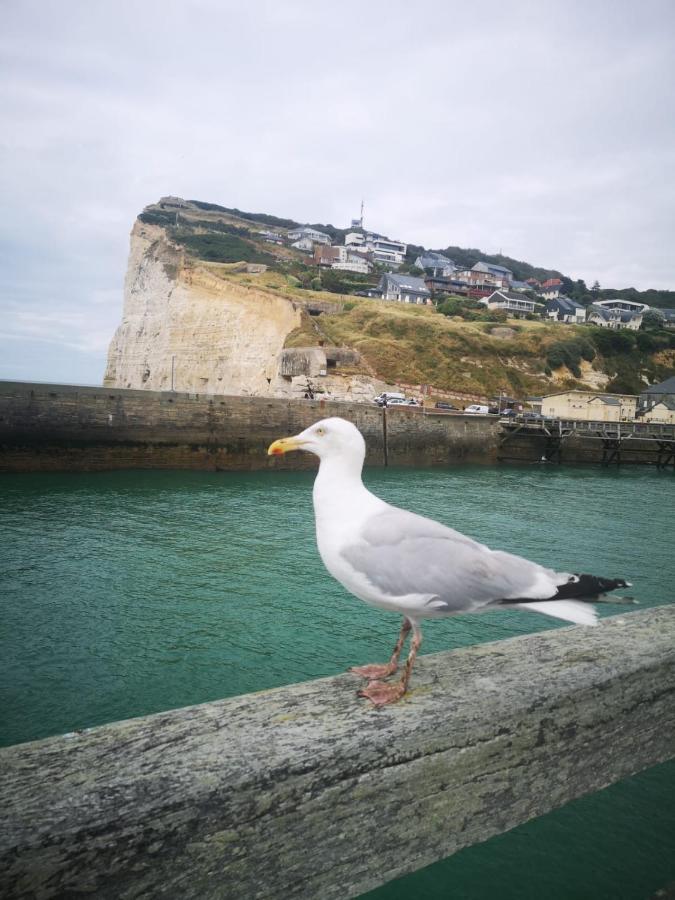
127	593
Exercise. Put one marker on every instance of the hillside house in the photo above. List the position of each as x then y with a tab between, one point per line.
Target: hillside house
563	309
514	304
604	317
551	292
304	231
303	244
435	264
657	403
590	406
479	280
382	249
342	258
404	289
504	275
271	237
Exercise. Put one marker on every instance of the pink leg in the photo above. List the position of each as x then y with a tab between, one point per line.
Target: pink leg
377	670
380	693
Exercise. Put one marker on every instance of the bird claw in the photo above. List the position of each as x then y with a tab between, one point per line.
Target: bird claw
374	670
380	693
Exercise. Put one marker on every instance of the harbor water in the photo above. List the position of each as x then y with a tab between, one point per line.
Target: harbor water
127	593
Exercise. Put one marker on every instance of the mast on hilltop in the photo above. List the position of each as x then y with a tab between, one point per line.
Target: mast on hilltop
358	223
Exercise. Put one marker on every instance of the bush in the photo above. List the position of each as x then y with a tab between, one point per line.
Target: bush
626	383
451	307
570	353
220	247
646	341
494	315
333	282
610	342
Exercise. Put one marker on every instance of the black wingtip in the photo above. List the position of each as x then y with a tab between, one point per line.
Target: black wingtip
581	586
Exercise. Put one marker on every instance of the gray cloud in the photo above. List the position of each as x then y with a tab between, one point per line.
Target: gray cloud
544	129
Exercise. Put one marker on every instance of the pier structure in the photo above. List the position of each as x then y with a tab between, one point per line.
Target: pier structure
306	791
654	439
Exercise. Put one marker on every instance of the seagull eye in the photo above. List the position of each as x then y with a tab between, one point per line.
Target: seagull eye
320	431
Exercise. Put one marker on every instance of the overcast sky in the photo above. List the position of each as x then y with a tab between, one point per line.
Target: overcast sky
542	129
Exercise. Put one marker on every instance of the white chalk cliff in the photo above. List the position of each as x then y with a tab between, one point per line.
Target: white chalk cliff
186	329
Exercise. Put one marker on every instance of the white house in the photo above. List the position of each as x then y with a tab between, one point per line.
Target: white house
342	258
605	317
657	402
563	309
403	288
303	244
304	231
383	249
551	292
589	406
515	304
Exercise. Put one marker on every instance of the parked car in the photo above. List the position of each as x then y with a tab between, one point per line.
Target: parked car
477	409
533	416
388	397
441	405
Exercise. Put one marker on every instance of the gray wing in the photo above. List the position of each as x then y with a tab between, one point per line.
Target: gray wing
401	554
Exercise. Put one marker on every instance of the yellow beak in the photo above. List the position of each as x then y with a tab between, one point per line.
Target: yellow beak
284	445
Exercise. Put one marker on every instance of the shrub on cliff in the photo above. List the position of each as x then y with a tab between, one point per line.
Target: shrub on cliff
220	247
569	353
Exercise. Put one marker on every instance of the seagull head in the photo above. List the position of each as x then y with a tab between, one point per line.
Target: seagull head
333	438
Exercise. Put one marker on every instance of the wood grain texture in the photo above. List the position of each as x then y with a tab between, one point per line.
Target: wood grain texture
307	791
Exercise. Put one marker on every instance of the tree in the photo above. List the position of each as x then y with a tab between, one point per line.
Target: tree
596	287
651	320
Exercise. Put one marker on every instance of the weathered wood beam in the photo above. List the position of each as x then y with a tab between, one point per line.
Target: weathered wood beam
306	791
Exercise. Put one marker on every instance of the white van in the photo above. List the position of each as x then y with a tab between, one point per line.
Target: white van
477	410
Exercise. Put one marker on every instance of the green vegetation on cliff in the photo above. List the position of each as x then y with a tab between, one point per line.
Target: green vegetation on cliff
458	345
196	216
414	344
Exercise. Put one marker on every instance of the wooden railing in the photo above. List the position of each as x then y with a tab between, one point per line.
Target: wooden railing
307	791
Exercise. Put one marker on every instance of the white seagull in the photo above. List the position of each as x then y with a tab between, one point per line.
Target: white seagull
396	560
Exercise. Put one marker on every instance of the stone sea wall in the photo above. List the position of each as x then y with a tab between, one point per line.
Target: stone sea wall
45	427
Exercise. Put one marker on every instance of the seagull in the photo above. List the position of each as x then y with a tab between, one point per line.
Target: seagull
398	561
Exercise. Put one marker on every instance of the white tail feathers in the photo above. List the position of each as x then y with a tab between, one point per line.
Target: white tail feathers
569	610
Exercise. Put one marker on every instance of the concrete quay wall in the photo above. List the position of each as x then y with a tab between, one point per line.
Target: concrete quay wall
51	427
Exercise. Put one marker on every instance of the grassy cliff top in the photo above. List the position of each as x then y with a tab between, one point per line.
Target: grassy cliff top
415	344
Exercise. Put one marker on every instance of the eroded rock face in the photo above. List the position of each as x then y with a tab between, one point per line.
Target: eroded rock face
184	328
219	337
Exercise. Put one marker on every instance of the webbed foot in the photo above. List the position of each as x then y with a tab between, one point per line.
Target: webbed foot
375	670
380	693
